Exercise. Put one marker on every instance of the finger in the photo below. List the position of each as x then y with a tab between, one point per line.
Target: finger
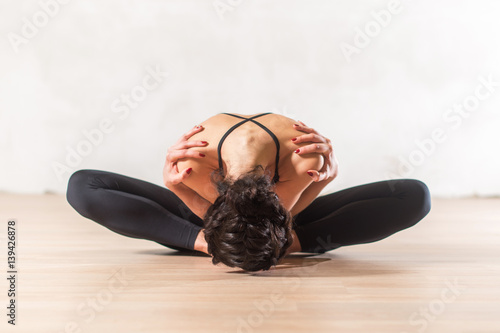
313	148
300	127
177	177
316	176
185	173
178	154
303	128
192	132
311	137
190	144
172	175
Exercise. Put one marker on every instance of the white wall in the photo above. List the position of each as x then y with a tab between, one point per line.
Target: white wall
256	56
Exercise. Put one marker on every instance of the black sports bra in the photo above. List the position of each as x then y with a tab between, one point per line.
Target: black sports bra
276	176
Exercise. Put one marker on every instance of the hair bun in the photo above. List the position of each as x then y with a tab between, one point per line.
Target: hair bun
249	192
247	225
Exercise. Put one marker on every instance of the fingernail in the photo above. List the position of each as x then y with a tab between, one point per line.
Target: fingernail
189	170
204	142
310	173
202	155
294	139
296	125
297	151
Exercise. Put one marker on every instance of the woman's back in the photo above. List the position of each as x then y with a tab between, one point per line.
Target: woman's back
251	142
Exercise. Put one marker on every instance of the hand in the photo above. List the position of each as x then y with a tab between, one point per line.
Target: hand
171	174
320	145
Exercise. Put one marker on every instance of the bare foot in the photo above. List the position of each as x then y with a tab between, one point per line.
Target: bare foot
200	244
295	247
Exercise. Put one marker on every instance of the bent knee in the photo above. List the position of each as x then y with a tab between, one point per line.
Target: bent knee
78	191
418	198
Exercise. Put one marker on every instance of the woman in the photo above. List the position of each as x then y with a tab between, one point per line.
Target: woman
244	190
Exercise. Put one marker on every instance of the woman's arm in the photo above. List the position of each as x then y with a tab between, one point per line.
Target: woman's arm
308	196
322	177
195	202
173	179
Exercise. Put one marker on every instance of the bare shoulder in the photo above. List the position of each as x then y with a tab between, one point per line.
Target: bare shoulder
199	179
294	167
293	174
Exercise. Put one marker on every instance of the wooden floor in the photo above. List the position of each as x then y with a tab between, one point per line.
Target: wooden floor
442	275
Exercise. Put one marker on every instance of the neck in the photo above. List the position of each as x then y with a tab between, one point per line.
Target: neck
236	170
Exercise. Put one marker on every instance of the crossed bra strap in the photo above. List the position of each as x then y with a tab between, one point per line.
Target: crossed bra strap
276	141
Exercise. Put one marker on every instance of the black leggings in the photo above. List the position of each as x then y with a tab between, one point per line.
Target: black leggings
357	215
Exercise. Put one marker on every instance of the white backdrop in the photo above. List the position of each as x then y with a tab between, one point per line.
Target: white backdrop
405	89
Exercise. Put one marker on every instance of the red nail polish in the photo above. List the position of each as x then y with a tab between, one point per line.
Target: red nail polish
297	151
202	155
296	125
189	170
204	142
294	139
310	173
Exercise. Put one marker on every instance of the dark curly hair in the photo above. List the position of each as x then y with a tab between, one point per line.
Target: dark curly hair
247	226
